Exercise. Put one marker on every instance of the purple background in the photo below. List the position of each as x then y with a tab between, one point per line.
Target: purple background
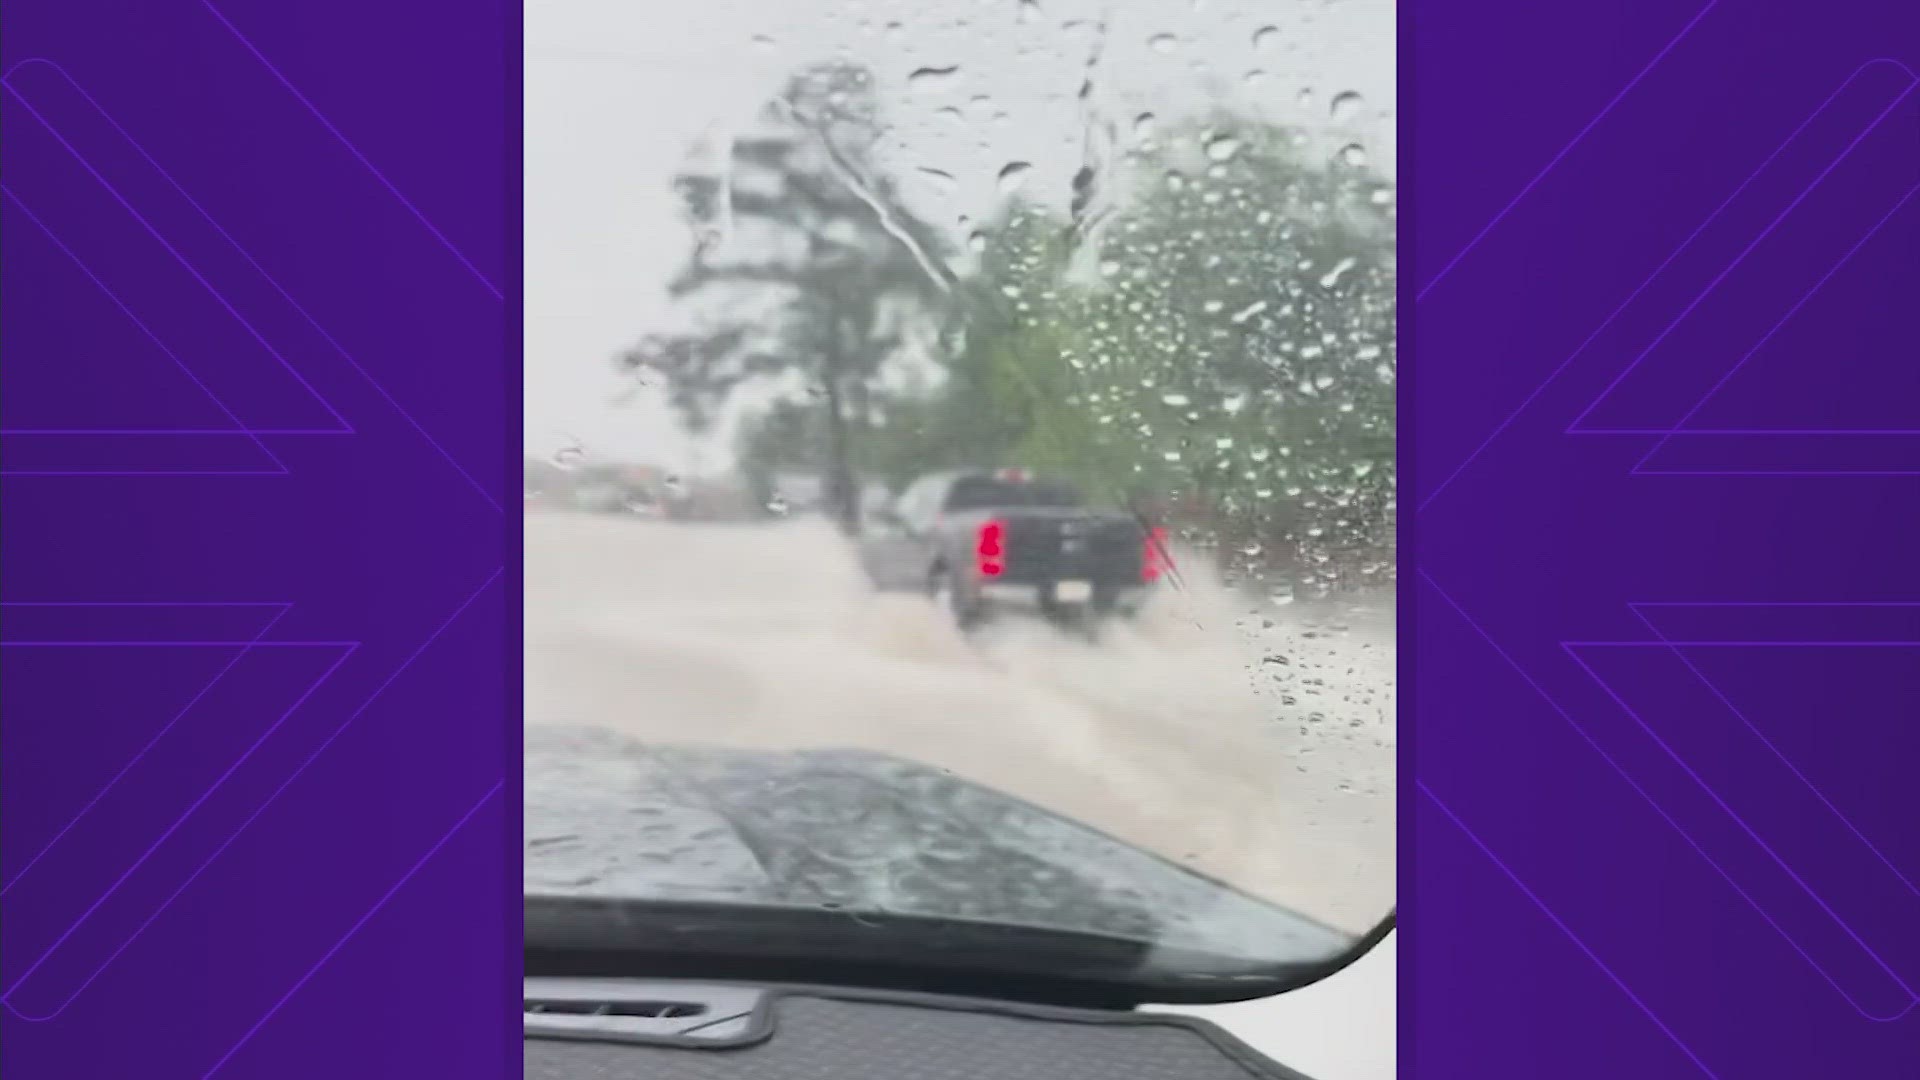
260	666
1663	479
1663	482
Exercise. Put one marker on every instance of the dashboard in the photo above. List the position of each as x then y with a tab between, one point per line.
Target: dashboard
628	1029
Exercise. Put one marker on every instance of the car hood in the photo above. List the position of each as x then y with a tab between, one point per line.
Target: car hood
610	817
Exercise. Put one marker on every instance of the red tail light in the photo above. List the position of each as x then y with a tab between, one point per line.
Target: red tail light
1153	555
989	551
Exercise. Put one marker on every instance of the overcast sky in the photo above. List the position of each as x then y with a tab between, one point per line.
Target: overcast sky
619	92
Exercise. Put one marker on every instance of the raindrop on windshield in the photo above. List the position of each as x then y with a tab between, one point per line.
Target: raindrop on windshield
1353	155
1332	277
1223	147
1266	37
570	456
932	79
1014	176
1163	43
1346	107
1081	32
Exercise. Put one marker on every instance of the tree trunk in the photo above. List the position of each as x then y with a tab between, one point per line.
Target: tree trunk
842	494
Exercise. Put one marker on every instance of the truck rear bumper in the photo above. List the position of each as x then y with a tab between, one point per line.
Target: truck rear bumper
1059	597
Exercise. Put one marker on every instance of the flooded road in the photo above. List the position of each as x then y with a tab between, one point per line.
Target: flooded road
1249	741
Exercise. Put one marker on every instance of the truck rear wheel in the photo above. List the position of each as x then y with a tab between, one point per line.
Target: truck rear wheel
944	589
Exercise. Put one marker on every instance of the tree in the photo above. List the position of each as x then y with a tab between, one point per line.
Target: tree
838	269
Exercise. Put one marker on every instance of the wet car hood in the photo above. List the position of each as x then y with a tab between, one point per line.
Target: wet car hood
609	817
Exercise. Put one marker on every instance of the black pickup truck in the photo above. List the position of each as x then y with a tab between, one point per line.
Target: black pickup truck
981	542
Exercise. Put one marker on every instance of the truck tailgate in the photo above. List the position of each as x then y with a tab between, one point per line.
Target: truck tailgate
1105	550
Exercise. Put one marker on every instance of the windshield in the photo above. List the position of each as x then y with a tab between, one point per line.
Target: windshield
800	271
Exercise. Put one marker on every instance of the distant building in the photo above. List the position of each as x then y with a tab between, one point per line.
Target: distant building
711	499
603	487
800	491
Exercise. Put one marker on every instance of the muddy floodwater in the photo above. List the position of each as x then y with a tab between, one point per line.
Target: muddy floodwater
1249	740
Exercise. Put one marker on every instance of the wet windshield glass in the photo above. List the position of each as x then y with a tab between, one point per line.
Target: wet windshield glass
801	272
